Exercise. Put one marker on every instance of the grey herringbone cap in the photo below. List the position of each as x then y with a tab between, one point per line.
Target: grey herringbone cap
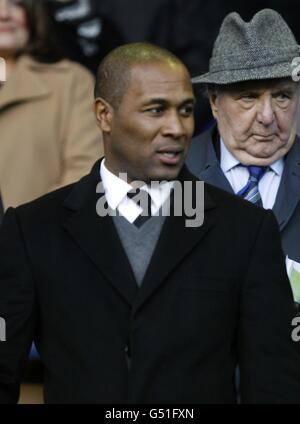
260	49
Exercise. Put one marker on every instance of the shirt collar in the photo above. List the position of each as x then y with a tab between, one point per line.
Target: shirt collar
278	167
159	192
116	189
228	161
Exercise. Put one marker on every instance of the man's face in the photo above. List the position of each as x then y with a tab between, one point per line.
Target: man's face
149	133
257	120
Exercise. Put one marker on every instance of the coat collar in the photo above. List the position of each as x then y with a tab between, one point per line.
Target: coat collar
288	195
25	82
98	237
203	161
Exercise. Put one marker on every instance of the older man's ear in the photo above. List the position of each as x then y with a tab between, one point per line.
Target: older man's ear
104	114
213	100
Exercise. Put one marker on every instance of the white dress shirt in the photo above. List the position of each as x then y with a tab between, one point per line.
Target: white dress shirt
238	176
116	190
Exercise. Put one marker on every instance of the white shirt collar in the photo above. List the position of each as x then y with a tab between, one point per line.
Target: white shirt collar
228	161
278	167
116	190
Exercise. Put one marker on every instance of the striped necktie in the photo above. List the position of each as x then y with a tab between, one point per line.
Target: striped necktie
142	199
250	191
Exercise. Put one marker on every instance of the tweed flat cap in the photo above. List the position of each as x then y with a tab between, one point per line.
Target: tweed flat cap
260	49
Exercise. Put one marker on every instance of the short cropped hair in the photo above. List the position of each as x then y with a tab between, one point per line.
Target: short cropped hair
114	72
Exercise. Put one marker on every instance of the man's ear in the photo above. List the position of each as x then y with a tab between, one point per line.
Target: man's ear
213	100
104	114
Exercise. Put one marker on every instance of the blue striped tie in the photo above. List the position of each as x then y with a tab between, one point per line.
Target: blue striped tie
250	190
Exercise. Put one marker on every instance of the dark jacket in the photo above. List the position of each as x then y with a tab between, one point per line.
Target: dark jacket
204	304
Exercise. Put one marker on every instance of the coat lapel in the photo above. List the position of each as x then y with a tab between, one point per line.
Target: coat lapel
203	162
288	195
214	175
175	242
97	236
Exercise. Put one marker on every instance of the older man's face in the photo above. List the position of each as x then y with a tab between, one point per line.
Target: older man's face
257	119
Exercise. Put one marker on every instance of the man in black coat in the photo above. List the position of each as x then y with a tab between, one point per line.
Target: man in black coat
128	303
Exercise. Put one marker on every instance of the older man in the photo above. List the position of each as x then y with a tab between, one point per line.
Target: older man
254	151
130	307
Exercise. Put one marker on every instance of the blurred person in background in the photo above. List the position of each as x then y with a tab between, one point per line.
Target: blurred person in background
49	137
87	34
